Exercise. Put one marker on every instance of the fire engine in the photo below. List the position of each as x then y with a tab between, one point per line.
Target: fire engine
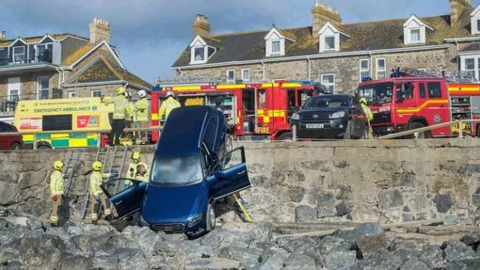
412	99
253	110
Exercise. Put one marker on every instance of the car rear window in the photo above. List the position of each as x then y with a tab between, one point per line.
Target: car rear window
327	102
4	127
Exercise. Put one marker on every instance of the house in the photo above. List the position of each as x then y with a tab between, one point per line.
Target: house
61	66
335	53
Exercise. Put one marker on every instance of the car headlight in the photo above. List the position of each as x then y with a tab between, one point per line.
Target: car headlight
194	221
295	116
337	115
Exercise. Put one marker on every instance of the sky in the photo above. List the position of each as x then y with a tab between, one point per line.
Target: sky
151	34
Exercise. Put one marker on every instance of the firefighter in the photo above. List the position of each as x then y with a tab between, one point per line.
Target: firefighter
142	172
141	112
167	106
120	112
369	115
56	190
130	114
465	127
132	172
96	193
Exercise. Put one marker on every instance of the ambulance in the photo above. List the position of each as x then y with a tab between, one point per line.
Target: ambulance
79	115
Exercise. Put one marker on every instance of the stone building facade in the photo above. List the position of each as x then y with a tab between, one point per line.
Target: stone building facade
61	66
339	55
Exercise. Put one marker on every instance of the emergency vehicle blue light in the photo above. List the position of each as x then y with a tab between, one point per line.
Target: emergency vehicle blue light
302	82
156	89
367	79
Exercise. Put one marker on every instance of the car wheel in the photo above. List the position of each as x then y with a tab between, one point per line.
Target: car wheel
16	146
419	135
211	218
348	131
285	137
43	147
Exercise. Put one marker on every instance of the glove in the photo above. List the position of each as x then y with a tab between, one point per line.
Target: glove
97	197
55	198
115	174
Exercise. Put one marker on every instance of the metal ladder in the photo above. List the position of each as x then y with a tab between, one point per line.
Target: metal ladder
110	157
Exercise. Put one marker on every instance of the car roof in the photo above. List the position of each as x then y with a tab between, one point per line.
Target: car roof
184	130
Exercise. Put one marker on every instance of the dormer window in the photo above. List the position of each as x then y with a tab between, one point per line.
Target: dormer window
475	21
275	42
414	31
200	51
330	38
19	54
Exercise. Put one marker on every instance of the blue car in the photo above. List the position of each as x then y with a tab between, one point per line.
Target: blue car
192	169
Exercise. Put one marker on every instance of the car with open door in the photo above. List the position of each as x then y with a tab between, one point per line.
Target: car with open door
191	170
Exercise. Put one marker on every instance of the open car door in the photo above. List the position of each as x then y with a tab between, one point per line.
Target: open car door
126	201
230	175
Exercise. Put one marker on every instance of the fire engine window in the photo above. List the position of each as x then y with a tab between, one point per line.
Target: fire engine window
423	93
434	90
262	99
404	91
57	122
291	99
302	96
248	100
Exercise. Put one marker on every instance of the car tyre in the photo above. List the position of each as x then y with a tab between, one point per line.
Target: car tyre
348	131
285	137
211	218
419	135
15	146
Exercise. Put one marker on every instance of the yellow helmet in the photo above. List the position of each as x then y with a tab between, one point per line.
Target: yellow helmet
58	165
120	90
136	156
363	100
97	166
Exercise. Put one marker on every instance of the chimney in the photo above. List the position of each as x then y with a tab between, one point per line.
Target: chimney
322	14
201	26
3	35
456	9
99	31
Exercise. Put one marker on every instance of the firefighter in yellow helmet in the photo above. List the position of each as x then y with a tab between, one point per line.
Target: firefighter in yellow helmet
130	115
56	190
369	115
141	112
137	170
167	106
120	112
96	193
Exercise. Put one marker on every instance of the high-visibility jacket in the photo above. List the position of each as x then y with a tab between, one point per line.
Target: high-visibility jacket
367	112
141	109
132	170
121	108
465	128
167	106
56	183
96	180
130	113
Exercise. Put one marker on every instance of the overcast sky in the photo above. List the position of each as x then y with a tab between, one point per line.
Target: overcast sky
151	34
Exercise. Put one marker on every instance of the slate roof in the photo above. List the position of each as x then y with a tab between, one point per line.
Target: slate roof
102	70
35	39
387	34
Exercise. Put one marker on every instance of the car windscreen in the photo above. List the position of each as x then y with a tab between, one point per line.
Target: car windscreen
327	102
176	170
376	93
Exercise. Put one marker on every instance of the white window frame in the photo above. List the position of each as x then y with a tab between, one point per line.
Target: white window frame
249	74
364	70
279	46
476	65
414	24
16	53
72	94
197	43
384	70
325	43
40	89
94	91
228	77
14	84
474	20
329	84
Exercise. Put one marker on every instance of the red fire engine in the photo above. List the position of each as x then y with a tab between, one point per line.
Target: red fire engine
407	102
255	111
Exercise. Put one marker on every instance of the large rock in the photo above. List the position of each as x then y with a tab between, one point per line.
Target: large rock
247	257
458	251
305	213
276	261
390	199
29	179
76	263
300	262
416	245
380	261
213	264
471	239
8	176
443	202
370	244
146	238
434	256
340	260
131	259
9	193
46	252
414	264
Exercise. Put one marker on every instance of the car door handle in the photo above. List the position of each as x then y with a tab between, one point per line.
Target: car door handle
242	172
119	202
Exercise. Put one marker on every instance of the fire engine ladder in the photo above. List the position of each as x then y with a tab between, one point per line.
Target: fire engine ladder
110	157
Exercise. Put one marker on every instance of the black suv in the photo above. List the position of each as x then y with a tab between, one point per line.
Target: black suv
330	117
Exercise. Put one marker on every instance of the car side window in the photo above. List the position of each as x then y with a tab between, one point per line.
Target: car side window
2	127
210	134
233	158
434	90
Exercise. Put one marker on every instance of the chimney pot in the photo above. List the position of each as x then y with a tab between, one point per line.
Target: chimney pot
201	26
99	31
456	9
322	14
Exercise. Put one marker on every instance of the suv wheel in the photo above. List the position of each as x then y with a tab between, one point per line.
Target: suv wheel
16	146
419	135
211	218
285	137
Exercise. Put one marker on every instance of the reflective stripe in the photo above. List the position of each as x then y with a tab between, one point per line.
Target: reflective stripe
142	109
53	219
108	211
